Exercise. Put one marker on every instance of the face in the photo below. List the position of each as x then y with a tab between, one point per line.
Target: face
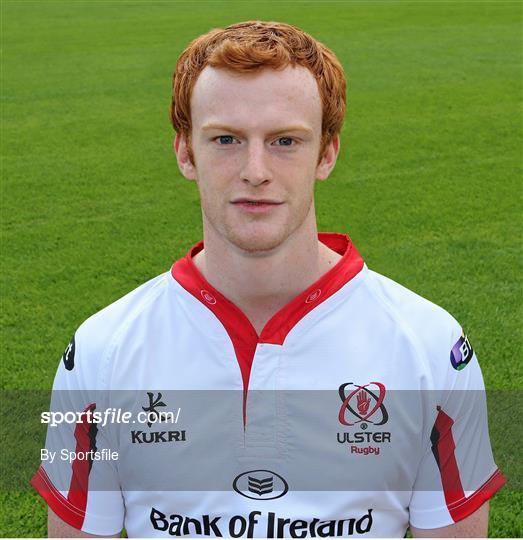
256	140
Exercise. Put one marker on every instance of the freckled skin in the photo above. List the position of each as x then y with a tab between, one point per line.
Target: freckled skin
256	161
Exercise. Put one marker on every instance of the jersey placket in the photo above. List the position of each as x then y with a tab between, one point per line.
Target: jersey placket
264	432
260	349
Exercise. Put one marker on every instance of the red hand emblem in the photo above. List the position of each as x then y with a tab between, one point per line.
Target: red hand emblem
363	402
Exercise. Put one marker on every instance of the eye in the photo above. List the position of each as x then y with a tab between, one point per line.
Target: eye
225	139
285	141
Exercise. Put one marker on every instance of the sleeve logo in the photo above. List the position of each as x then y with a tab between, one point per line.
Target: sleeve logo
68	356
462	352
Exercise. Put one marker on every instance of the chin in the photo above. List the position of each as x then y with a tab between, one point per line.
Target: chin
258	243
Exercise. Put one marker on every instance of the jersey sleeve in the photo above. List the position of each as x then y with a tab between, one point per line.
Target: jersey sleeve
457	473
78	476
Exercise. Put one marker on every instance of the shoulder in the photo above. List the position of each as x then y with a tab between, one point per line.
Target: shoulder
432	330
100	327
409	308
94	339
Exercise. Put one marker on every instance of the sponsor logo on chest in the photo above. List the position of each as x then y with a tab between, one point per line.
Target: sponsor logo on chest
259	524
151	416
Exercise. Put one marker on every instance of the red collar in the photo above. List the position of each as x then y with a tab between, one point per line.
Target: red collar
240	330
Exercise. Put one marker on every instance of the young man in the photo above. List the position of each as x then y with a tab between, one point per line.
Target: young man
317	398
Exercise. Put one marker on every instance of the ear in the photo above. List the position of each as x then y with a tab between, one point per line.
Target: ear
181	149
328	159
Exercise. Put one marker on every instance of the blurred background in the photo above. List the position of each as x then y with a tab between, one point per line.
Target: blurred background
428	183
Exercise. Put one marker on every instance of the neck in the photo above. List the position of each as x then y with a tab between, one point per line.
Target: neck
261	284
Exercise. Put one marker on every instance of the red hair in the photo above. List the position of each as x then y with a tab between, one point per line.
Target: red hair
253	45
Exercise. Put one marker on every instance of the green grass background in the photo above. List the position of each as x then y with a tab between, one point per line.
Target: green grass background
428	183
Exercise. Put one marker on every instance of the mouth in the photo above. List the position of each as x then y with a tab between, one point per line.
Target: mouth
255	202
256	206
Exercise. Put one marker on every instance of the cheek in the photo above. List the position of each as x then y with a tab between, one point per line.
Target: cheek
304	180
213	186
216	168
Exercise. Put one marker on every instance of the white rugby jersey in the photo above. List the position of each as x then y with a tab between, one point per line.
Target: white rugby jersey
358	409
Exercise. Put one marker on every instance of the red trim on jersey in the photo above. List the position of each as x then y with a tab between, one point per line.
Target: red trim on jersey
85	441
72	509
56	501
243	335
462	509
443	447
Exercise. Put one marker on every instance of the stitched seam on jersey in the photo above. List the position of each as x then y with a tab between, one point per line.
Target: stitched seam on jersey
341	295
208	312
409	331
152	295
281	408
447	509
58	496
62	500
405	325
467	500
107	367
224	339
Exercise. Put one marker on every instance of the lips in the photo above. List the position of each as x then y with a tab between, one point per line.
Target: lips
255	201
256	206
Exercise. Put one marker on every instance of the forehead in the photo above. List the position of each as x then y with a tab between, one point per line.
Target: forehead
264	99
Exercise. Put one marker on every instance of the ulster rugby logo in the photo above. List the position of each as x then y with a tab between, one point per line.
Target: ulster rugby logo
362	404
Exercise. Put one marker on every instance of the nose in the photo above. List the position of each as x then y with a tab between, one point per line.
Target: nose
256	170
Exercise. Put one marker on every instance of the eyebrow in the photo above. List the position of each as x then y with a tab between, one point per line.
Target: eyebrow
229	129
